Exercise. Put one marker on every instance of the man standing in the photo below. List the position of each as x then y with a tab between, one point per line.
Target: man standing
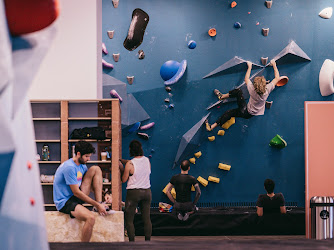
183	183
270	203
73	182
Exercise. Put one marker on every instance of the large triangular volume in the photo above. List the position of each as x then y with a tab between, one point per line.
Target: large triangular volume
131	110
236	64
190	141
292	53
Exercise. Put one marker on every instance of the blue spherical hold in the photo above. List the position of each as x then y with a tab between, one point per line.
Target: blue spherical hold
192	44
237	25
169	69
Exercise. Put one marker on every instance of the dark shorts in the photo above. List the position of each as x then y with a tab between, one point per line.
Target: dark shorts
184	207
70	205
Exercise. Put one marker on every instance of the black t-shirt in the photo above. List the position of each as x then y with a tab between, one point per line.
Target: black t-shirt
270	204
182	184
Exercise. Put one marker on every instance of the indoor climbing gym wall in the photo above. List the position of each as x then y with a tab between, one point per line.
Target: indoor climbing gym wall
163	59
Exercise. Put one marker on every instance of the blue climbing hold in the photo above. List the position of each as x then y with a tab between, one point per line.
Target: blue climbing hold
134	127
192	44
169	69
237	25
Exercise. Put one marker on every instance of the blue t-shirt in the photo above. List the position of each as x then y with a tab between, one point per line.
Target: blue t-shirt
68	173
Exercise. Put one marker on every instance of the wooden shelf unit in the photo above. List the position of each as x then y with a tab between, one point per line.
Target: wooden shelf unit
54	120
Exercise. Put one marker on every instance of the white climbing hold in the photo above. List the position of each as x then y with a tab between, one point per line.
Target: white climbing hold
326	13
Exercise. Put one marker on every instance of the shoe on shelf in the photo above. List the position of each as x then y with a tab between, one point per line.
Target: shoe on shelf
179	216
218	94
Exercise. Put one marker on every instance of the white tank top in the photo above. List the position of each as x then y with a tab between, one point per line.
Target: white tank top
141	175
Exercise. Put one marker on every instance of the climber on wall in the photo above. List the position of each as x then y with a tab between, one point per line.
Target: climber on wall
259	92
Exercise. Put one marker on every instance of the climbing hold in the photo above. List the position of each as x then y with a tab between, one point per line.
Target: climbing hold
29	165
167	100
229	123
211	138
233	4
147	126
326	13
182	68
116	57
168	89
152	150
171	106
114	94
237	25
224	166
269	3
264	60
110	33
107	65
221	132
192	160
141	54
169	69
282	81
265	31
326	76
115	3
257	23
212	32
32	201
192	44
104	49
203	181
134	127
198	154
278	142
269	104
214	179
130	79
192	188
249	12
172	191
143	135
150	156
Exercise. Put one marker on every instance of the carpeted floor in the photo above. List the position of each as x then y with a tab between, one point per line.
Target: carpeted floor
221	242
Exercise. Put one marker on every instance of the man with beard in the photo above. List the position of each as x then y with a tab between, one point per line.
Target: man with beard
73	182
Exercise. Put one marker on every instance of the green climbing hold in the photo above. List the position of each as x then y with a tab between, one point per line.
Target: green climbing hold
278	142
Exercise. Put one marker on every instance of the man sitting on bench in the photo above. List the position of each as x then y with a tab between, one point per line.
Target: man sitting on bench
183	183
270	203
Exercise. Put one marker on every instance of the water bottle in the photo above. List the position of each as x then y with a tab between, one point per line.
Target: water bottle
45	153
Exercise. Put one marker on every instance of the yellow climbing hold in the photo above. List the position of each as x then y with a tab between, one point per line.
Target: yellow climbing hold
203	181
228	124
211	138
172	191
192	188
221	132
214	179
224	166
198	154
192	160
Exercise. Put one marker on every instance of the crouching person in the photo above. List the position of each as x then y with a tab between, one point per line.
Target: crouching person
183	205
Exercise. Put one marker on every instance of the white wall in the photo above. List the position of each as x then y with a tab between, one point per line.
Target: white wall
72	68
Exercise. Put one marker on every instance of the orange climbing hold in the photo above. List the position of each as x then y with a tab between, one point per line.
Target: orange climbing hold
29	165
32	201
212	32
233	4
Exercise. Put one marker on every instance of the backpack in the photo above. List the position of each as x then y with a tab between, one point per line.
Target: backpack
97	133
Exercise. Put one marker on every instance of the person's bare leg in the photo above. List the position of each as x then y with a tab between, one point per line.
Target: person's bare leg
214	126
93	181
83	214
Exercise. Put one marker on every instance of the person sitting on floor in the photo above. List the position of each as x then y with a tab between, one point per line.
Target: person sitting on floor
182	183
270	202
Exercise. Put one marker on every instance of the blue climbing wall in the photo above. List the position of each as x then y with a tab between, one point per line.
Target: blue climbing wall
245	145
